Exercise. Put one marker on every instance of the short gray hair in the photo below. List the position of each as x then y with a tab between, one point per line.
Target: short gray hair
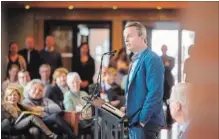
139	27
72	76
180	92
45	66
30	85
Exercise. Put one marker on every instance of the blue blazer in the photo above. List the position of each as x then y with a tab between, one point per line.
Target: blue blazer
145	92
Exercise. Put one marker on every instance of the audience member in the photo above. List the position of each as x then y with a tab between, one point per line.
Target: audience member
169	64
95	87
15	58
23	79
13	122
73	101
179	107
49	55
56	93
121	64
12	77
111	91
84	65
187	65
50	111
32	58
45	73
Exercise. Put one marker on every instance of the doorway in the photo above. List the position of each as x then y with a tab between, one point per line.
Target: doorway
70	34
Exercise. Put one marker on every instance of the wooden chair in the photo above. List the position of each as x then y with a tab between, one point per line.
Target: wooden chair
72	118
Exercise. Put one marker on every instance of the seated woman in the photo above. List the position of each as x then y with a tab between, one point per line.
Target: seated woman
18	118
73	102
56	93
50	111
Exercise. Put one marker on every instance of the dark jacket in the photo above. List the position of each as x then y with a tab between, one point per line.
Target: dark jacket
168	76
86	71
34	63
54	59
116	93
55	94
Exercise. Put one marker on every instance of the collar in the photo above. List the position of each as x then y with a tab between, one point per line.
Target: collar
184	126
45	82
137	55
76	94
107	86
49	50
63	89
28	50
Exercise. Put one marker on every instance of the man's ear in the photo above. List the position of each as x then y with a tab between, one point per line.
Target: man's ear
143	39
178	106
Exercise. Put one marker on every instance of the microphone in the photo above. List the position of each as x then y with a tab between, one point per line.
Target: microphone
110	52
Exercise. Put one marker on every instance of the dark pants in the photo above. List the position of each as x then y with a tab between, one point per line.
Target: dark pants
86	127
167	91
149	131
56	119
24	127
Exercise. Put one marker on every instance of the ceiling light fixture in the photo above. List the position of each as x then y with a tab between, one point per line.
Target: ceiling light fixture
70	7
159	7
115	7
27	7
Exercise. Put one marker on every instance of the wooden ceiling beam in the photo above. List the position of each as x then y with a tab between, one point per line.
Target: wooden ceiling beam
100	4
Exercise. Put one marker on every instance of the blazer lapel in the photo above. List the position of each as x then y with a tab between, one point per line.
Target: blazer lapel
138	65
127	82
136	69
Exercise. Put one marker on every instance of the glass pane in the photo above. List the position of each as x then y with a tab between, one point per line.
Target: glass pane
63	41
188	38
169	38
99	43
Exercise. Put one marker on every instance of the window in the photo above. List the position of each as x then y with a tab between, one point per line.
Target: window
169	38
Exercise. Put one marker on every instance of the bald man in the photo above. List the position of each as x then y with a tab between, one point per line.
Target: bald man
50	56
32	57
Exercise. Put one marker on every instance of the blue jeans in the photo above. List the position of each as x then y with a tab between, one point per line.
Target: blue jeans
149	131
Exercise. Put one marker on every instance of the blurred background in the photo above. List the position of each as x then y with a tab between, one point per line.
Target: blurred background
178	25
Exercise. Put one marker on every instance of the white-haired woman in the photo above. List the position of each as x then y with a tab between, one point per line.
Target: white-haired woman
73	101
14	122
51	112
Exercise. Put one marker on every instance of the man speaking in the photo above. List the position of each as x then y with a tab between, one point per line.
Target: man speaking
144	89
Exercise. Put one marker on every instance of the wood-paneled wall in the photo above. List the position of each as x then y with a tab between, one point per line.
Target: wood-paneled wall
31	22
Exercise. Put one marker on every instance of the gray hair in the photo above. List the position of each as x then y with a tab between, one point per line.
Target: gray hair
45	66
73	76
180	92
30	85
139	27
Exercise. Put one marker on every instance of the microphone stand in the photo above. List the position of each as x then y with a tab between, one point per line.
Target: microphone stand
100	73
94	94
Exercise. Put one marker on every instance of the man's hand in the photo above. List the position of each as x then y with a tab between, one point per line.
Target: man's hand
123	109
38	109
